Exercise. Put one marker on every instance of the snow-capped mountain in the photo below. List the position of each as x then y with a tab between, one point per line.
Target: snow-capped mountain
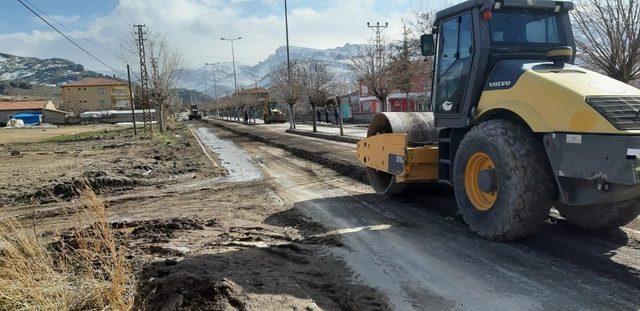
216	80
202	79
53	71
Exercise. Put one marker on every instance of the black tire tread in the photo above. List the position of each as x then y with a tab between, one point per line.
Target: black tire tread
526	184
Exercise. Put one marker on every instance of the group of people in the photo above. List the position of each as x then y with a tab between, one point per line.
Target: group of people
336	115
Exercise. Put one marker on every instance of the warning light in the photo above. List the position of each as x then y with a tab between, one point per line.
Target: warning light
487	15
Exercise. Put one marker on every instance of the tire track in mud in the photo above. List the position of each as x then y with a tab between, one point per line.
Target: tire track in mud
581	267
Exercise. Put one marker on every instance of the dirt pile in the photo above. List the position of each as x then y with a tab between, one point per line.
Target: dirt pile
196	293
68	189
160	230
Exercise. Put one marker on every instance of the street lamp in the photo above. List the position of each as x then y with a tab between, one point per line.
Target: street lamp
286	25
215	84
215	81
233	54
292	124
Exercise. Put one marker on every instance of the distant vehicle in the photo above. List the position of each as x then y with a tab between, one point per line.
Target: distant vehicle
194	113
271	113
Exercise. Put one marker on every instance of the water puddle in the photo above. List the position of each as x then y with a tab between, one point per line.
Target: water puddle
233	158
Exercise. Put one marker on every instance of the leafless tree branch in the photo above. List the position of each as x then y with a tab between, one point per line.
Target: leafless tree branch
608	36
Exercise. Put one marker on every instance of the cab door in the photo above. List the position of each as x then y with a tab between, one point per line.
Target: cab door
454	60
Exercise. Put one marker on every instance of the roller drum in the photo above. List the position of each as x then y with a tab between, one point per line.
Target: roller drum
420	129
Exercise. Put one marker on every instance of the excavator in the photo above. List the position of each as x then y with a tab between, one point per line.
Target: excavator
515	127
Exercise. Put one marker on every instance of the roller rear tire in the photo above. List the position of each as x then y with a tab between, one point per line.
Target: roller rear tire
520	192
611	215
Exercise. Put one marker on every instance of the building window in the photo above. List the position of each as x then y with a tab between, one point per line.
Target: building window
119	91
103	102
122	103
102	91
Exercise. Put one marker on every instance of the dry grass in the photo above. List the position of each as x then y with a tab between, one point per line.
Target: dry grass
85	270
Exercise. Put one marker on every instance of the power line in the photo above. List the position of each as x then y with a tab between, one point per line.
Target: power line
122	16
70	30
65	36
129	10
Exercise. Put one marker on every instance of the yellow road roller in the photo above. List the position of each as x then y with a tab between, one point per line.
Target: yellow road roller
515	127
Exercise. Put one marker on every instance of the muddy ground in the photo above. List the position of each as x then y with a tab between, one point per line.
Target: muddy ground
253	227
200	235
112	161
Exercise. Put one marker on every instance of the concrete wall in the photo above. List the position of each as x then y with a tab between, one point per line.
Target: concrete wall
114	118
4	116
54	117
362	118
357	118
92	98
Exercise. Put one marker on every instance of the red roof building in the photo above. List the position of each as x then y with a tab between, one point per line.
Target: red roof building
47	108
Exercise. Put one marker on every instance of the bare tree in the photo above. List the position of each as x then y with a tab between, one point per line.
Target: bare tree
165	77
72	106
405	64
287	87
608	36
423	17
318	83
372	66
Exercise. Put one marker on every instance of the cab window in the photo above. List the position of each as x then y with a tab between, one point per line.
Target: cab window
520	27
454	63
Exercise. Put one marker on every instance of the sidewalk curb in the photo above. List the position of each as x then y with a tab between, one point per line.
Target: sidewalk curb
346	168
343	139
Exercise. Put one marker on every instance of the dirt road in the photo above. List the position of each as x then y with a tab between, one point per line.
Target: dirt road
423	260
246	226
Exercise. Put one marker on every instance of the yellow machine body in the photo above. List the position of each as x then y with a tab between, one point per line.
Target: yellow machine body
554	100
391	153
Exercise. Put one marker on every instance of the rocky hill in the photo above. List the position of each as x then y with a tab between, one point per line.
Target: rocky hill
56	71
51	72
248	76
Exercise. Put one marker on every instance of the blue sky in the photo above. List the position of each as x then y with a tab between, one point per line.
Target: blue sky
193	27
15	18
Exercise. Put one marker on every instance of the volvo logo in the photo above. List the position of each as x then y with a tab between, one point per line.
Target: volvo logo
500	84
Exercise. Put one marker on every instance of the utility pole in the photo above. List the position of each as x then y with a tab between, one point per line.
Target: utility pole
339	105
144	76
286	23
233	55
378	29
156	94
235	77
133	105
292	124
215	80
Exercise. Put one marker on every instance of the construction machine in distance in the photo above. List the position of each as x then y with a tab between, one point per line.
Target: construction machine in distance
194	113
515	127
271	113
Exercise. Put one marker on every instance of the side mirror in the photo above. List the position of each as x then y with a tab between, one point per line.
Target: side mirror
427	45
560	55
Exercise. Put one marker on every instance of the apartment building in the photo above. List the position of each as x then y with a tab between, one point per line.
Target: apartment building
92	94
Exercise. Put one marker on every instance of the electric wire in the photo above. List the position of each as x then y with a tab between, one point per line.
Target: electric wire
96	44
65	36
